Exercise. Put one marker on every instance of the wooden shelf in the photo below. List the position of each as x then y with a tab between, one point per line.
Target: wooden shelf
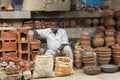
15	15
67	14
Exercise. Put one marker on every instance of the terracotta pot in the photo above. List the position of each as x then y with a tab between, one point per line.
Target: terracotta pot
117	14
72	23
109	39
102	21
108	13
89	63
85	42
88	59
104	55
98	41
101	29
77	55
116	53
109	32
105	5
116	60
110	23
116	48
86	47
78	64
88	22
85	37
102	62
95	22
103	49
90	9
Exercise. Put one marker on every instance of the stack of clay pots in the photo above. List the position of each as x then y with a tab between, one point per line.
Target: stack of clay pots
109	40
103	55
77	59
117	38
85	41
88	58
116	54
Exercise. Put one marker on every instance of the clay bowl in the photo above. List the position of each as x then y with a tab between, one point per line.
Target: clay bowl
109	68
92	70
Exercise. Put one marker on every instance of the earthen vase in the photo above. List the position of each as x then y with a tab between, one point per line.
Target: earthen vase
98	41
108	13
95	22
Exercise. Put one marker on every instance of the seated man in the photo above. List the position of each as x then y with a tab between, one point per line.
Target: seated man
57	40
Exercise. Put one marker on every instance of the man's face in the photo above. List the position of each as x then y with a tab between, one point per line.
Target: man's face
54	28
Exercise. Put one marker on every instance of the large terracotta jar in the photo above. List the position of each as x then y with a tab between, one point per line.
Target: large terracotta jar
98	41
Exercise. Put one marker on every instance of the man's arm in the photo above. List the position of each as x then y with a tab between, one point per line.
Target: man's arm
35	35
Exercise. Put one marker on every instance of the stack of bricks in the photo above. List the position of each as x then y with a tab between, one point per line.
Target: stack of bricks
8	43
35	48
23	43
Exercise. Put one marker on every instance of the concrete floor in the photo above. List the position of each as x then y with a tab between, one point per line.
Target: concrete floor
80	75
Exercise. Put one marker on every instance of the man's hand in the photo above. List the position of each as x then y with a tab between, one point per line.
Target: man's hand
58	53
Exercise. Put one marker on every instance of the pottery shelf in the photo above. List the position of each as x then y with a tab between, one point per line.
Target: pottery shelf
67	14
15	15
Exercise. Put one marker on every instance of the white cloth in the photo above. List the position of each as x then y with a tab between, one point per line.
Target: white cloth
54	41
66	50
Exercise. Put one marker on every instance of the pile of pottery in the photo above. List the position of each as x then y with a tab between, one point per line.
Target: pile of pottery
88	58
29	24
77	59
103	55
116	54
85	41
110	40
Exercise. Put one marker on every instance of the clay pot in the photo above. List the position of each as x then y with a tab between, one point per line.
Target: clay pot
88	22
88	63
95	22
102	21
110	39
77	54
85	37
98	41
85	42
108	13
116	60
90	9
72	23
116	48
78	64
117	14
101	29
105	5
102	62
110	23
116	53
10	8
109	32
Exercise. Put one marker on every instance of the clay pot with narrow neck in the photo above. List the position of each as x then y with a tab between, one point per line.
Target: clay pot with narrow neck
98	41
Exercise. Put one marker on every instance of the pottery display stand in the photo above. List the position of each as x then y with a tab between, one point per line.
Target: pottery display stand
23	43
35	48
8	42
